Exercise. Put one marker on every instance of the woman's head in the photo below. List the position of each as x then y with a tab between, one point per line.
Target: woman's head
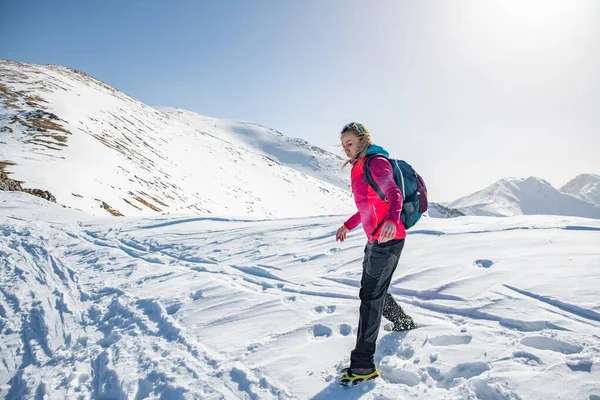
356	139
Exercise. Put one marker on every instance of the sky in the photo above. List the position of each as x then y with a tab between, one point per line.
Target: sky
467	92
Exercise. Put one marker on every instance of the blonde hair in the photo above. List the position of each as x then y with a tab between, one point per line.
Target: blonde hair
364	141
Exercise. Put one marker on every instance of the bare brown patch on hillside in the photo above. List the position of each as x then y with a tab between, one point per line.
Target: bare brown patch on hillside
131	204
111	210
145	202
29	110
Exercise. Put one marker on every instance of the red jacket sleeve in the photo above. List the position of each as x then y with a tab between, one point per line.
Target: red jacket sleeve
383	175
353	221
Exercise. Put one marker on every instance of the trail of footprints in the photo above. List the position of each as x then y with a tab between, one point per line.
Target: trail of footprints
393	353
320	331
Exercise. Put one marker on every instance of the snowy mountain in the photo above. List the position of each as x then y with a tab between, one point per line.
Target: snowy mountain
96	149
167	307
529	196
584	186
292	152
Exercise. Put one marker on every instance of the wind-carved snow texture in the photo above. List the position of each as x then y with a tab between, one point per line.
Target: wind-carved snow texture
219	308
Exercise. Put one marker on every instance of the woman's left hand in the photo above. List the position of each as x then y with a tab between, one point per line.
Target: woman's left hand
341	233
387	232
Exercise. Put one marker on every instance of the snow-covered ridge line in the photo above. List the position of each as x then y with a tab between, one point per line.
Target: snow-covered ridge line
531	196
97	149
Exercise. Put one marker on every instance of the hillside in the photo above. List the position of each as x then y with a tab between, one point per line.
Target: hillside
96	149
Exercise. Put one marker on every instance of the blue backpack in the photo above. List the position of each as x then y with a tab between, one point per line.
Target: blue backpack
411	184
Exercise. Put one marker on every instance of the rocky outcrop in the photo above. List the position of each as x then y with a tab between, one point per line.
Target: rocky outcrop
437	210
44	194
8	184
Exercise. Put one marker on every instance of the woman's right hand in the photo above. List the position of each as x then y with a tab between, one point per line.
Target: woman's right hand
341	233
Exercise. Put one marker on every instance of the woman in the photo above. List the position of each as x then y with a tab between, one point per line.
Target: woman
385	234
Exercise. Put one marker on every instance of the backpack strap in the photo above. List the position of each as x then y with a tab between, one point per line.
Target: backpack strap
369	178
401	177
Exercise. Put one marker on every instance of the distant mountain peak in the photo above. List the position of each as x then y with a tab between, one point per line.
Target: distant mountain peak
530	180
524	196
585	187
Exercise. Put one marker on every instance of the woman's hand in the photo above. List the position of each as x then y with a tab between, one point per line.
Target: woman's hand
387	232
341	233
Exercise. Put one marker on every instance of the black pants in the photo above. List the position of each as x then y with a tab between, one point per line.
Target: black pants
379	265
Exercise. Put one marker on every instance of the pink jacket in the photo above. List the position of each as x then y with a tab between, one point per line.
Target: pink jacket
372	210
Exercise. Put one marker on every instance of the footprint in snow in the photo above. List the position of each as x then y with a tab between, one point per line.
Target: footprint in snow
173	308
580	364
290	299
458	321
450	340
321	331
490	390
322	309
527	358
545	343
405	351
197	295
399	376
483	263
465	370
254	346
345	329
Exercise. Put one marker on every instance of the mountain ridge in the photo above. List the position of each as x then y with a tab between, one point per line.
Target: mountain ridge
523	196
99	150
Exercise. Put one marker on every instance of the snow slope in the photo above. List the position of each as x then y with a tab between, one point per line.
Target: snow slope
529	196
98	150
294	153
221	308
584	186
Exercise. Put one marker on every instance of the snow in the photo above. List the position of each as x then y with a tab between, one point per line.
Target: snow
112	149
294	153
526	196
584	186
217	307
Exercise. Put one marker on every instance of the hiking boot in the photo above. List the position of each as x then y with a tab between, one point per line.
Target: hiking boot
405	323
354	376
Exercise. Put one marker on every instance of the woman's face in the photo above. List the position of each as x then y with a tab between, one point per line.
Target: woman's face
350	144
